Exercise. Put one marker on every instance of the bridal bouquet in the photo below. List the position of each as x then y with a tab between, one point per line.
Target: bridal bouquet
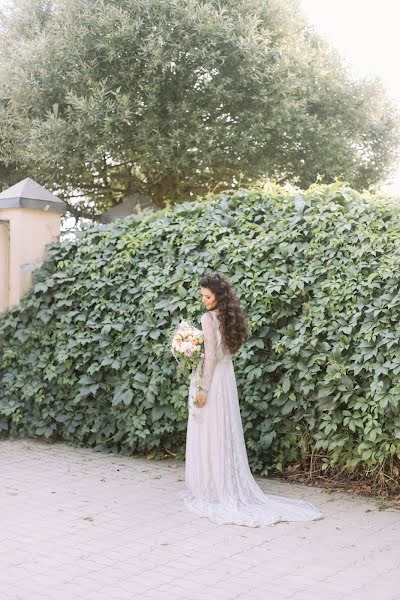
187	346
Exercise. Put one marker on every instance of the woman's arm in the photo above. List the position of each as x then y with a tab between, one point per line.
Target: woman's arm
210	352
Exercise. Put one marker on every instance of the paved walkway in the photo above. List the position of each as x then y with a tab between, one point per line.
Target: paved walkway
82	525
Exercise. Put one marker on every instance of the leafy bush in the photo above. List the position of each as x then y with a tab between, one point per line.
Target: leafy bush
85	355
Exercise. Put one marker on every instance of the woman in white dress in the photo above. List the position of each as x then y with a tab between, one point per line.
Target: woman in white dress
218	482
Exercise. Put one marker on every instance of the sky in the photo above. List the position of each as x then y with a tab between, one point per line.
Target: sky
366	33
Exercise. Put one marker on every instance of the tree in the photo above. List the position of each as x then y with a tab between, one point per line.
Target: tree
173	99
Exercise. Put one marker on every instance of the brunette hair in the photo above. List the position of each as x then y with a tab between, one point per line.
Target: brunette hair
233	325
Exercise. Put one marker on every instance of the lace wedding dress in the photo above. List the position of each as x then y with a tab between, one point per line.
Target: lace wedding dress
218	482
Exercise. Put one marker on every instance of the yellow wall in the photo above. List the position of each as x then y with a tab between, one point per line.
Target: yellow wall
29	231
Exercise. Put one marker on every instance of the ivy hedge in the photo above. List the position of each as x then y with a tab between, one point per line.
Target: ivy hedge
85	355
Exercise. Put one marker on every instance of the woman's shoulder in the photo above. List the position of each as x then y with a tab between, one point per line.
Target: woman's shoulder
206	316
209	318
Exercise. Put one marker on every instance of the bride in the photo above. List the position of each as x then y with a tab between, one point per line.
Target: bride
218	482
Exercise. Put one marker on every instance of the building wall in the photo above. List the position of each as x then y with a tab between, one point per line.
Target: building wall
29	231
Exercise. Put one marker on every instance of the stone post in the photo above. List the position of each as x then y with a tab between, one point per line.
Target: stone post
29	219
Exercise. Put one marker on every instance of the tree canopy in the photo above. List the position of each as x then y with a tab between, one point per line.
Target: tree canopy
175	99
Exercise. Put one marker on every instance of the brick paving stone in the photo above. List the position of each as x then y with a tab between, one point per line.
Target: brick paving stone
84	525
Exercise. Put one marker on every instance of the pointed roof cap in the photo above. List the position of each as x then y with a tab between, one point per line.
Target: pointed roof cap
29	194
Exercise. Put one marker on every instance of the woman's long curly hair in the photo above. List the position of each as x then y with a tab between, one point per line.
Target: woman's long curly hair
233	325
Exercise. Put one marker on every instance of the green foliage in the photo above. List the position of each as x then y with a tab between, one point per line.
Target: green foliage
85	356
174	99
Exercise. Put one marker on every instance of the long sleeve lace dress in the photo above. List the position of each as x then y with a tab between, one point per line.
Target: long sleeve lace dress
218	482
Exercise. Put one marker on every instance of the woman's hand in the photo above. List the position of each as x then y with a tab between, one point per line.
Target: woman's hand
201	399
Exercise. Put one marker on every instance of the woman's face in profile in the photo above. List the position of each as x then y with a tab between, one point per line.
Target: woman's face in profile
208	298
